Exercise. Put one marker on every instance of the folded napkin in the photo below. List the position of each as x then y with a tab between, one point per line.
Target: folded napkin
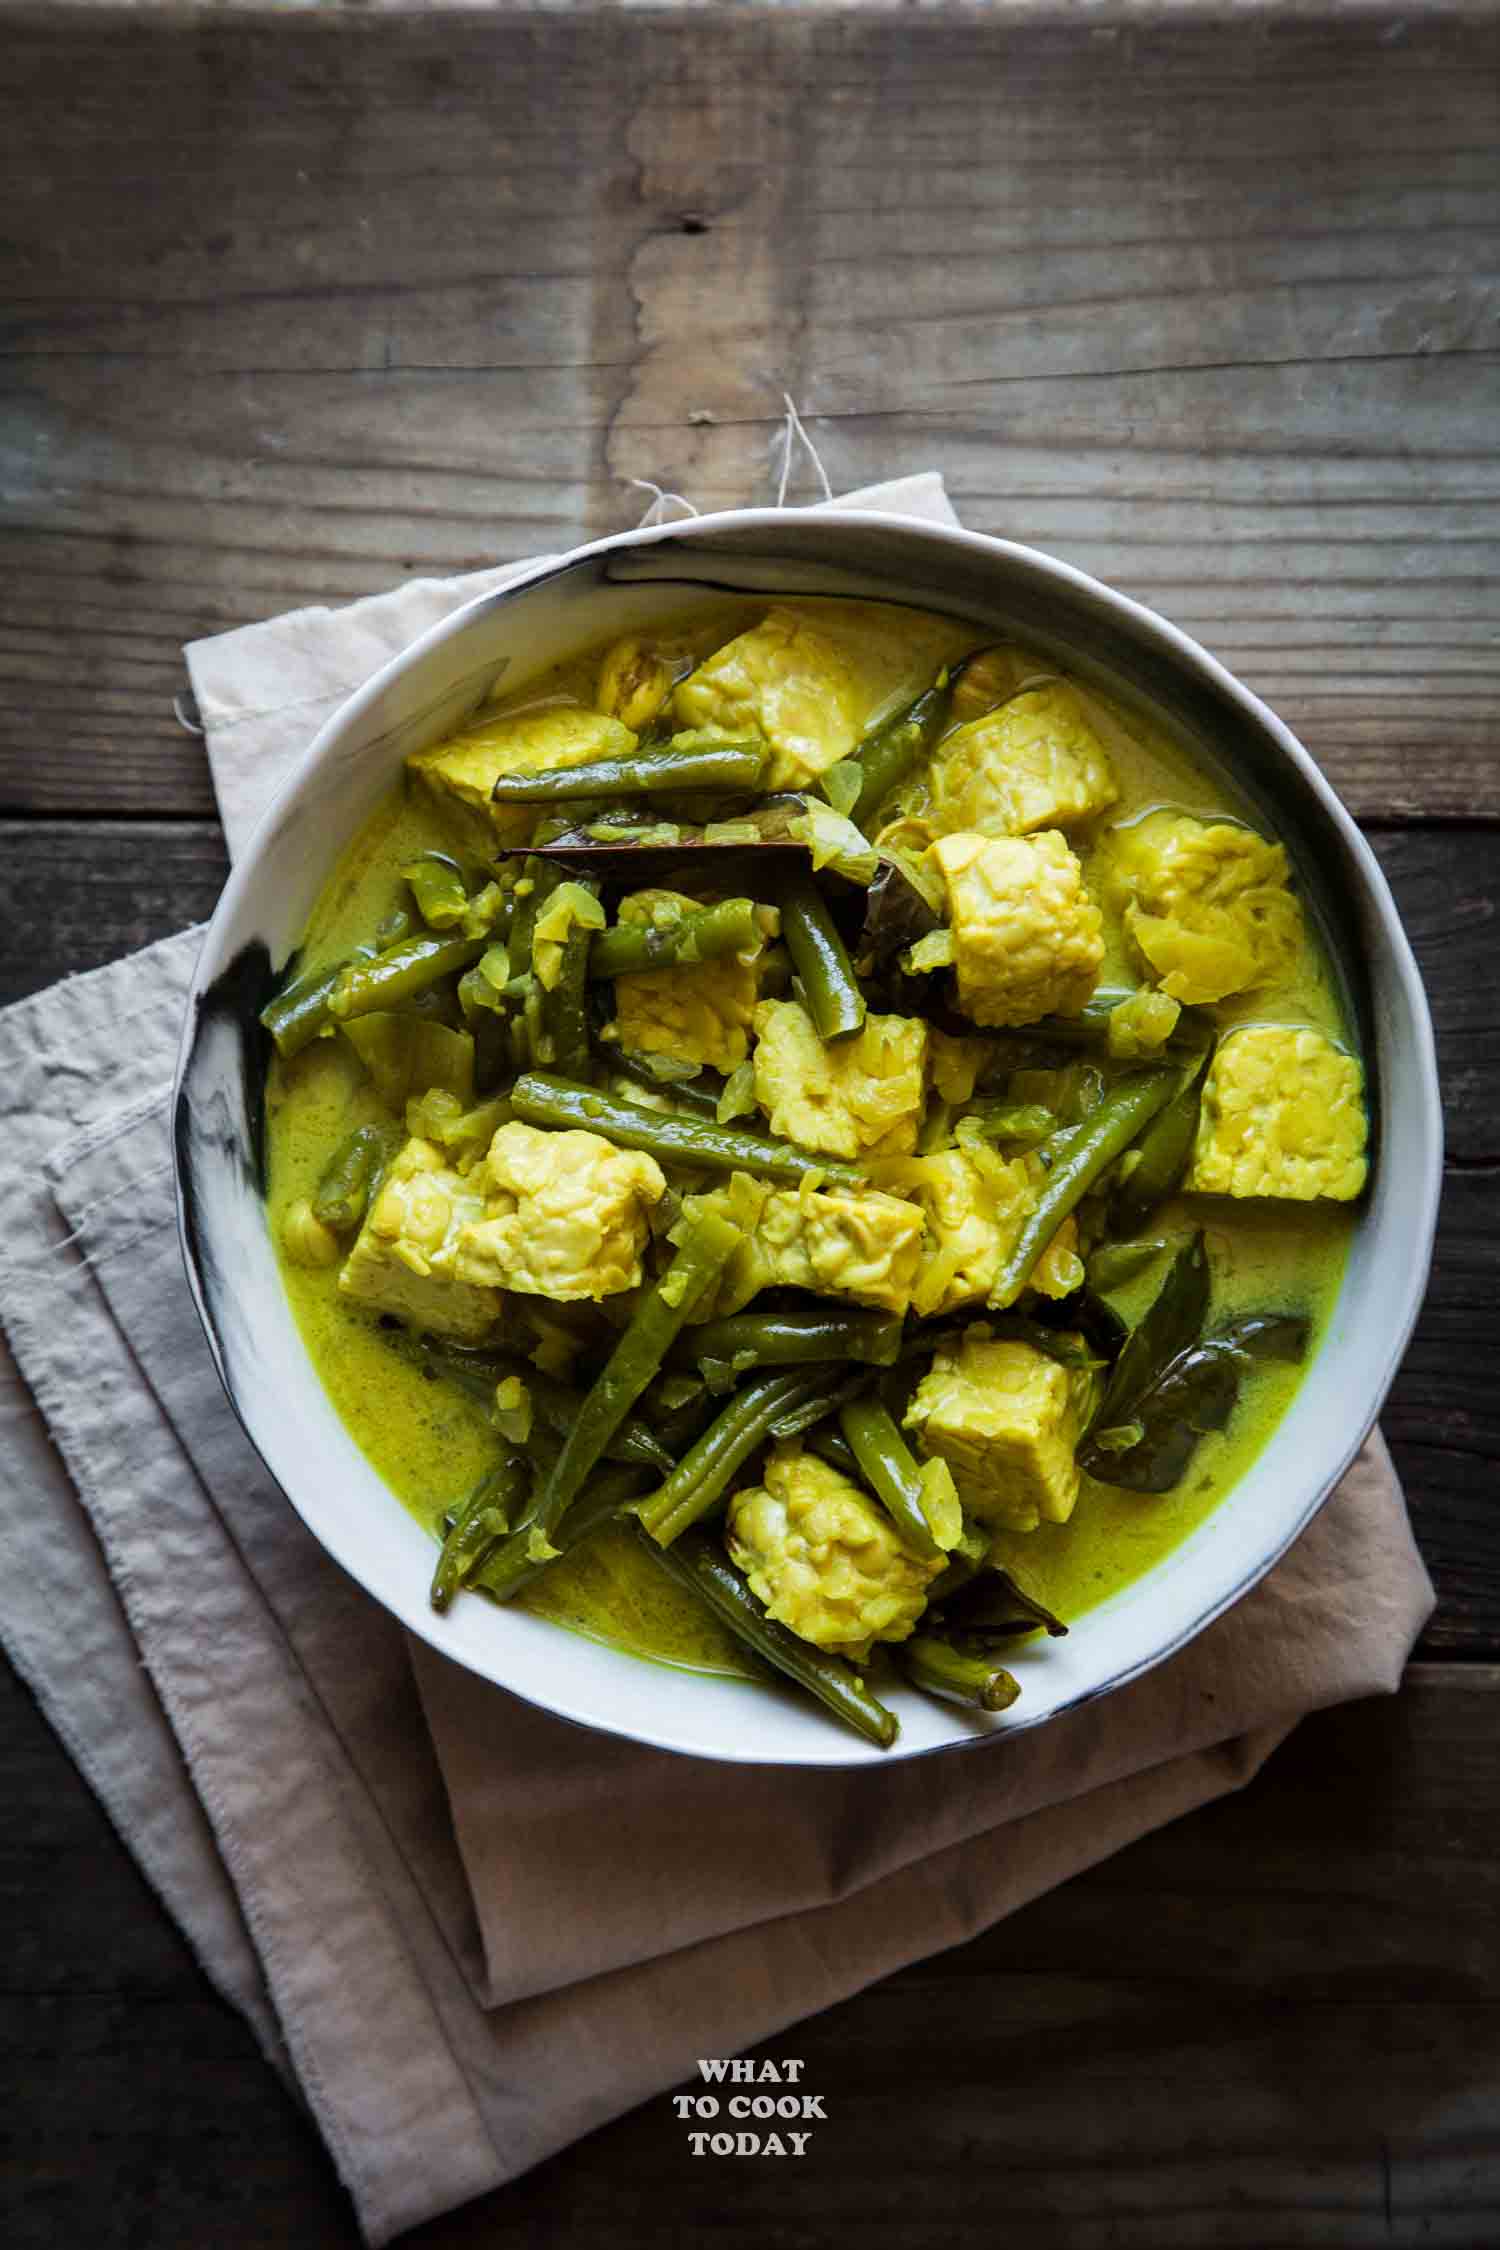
466	1931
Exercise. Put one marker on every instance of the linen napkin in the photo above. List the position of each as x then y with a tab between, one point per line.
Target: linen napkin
460	1927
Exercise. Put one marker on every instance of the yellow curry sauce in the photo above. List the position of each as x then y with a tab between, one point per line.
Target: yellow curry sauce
429	1442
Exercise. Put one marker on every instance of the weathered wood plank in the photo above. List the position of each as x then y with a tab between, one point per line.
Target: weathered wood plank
1443	1421
1446	884
1190	319
1275	2023
80	894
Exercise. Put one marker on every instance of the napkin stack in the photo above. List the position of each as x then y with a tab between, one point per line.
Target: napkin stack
467	1931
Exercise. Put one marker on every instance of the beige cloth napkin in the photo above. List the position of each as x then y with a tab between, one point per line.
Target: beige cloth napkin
469	1932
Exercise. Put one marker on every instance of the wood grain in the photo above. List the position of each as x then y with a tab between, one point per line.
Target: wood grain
78	895
1275	2023
1210	313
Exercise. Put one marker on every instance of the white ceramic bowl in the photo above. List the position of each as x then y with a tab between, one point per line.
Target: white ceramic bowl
554	610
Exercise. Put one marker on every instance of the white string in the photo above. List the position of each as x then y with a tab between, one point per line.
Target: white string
793	430
663	500
189	726
793	433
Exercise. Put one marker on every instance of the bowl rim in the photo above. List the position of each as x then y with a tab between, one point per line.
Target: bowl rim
1184	653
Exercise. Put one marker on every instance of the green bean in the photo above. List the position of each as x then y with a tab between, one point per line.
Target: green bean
1079	1157
299	1013
438	887
400	973
1163	1153
515	1562
543	1100
707	1245
940	1668
565	1007
735	925
834	1000
480	1524
538	877
704	1472
731	766
556	1403
696	1564
887	1465
350	1176
793	1339
808	1413
888	756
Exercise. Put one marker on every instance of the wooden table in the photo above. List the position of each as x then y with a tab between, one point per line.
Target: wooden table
302	302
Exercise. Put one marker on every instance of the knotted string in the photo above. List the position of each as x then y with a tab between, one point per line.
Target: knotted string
791	435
